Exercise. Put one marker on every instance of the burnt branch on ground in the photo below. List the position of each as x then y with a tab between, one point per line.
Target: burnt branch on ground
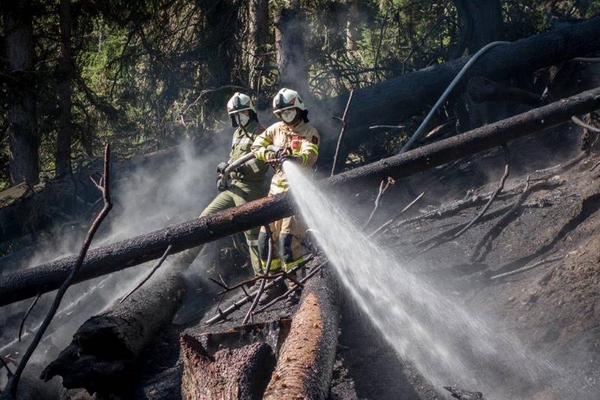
382	188
493	196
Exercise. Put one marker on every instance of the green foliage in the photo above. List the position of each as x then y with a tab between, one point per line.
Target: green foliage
149	73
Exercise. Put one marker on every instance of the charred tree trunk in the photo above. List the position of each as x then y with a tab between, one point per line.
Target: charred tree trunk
397	99
305	362
24	139
65	74
258	21
102	356
229	374
289	44
127	253
481	89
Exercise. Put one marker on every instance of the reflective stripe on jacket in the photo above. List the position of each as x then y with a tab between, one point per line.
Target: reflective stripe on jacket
301	140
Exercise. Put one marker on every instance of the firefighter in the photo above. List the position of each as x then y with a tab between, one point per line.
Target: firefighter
291	139
244	183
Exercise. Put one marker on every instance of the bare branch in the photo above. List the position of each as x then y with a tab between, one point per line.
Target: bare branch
12	385
342	132
154	269
27	314
498	190
408	207
382	188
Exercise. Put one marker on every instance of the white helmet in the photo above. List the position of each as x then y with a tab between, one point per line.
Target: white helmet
285	99
239	102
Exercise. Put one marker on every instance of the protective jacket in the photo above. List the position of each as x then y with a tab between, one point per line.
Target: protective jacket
250	176
244	185
301	140
288	233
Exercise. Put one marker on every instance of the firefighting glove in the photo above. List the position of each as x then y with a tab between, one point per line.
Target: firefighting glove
221	167
221	184
273	158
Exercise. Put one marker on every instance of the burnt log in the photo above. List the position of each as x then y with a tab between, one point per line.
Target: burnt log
208	358
305	362
229	374
102	356
397	99
481	89
127	253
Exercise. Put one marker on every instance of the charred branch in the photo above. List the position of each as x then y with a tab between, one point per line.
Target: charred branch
106	259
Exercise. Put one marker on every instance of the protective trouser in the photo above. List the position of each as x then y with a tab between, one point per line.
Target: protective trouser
232	197
288	249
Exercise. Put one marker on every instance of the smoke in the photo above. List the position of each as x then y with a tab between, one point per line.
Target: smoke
160	193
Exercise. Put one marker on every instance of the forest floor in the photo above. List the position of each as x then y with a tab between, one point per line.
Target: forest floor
539	274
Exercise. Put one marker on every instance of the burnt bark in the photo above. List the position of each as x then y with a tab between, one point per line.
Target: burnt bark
397	99
481	89
102	356
24	138
305	363
127	253
230	374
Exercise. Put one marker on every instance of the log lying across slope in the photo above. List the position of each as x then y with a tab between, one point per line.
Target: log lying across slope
397	99
103	260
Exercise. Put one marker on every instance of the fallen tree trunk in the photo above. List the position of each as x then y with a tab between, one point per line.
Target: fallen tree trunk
230	374
305	363
397	99
102	356
234	364
103	260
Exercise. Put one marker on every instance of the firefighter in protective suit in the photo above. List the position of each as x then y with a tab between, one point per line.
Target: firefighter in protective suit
291	139
244	183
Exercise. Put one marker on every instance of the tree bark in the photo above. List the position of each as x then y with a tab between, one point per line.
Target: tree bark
65	74
257	38
24	138
230	374
127	253
101	357
219	43
289	44
305	363
481	89
397	99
